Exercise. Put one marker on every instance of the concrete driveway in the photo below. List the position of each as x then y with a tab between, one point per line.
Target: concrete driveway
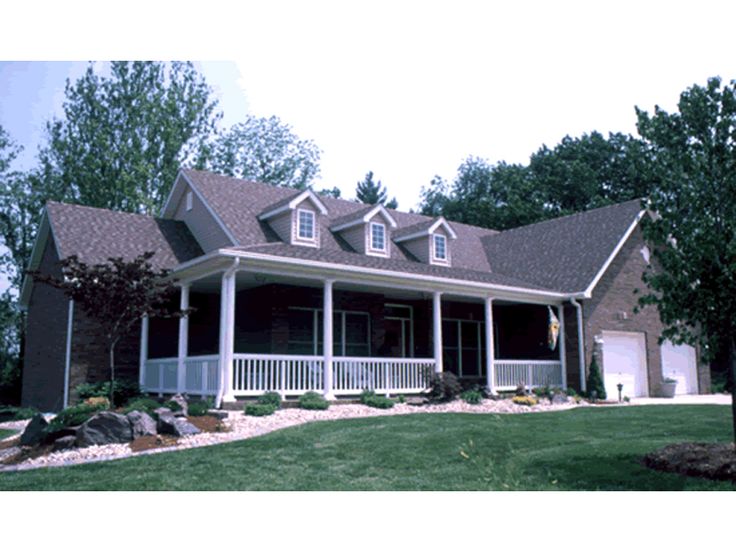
685	399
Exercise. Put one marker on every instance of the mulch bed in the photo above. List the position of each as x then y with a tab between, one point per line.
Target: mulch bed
208	424
709	460
148	442
11	442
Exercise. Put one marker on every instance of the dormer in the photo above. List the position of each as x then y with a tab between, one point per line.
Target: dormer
368	230
428	241
296	219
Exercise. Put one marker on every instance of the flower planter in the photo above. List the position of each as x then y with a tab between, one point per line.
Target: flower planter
668	389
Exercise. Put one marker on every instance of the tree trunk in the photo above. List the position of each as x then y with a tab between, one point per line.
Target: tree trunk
732	370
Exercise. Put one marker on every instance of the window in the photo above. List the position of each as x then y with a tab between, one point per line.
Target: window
350	332
189	201
378	236
306	225
440	247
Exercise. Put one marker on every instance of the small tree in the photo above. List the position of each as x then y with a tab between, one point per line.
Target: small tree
116	295
372	193
595	387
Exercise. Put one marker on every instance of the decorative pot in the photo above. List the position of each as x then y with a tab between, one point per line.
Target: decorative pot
668	389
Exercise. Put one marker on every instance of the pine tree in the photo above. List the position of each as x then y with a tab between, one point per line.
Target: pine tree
372	193
595	387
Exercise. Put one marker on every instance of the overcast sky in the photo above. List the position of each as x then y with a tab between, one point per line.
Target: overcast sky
405	90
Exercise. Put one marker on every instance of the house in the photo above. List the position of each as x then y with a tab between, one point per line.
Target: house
274	273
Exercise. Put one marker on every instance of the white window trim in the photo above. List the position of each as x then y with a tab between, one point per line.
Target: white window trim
446	258
375	250
189	200
298	236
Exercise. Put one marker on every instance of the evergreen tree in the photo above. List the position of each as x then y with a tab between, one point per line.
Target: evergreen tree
372	193
594	384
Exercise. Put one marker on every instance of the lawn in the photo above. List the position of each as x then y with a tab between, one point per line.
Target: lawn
582	449
5	433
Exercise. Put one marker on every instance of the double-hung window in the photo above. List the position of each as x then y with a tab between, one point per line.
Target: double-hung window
440	247
305	226
378	237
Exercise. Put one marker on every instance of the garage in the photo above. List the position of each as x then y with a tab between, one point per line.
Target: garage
625	362
679	362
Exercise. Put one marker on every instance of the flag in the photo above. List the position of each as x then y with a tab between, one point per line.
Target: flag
553	330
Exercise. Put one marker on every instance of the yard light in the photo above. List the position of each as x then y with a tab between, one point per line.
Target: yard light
620	387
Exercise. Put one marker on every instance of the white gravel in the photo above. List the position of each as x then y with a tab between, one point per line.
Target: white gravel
245	427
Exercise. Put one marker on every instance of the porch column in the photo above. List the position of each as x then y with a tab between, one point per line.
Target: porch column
437	330
181	380
227	337
327	338
144	353
561	345
490	350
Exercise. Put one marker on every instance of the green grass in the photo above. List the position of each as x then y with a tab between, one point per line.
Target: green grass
5	433
583	449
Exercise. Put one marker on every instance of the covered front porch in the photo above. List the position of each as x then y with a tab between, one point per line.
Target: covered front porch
252	332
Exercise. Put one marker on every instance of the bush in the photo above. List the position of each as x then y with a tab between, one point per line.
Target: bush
75	415
313	401
272	398
198	408
369	398
142	404
13	413
259	409
123	390
172	405
596	389
472	396
571	392
444	386
103	403
525	401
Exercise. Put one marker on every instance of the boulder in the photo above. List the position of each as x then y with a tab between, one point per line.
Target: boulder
163	411
103	429
34	431
64	443
58	433
141	424
219	414
559	398
168	424
181	400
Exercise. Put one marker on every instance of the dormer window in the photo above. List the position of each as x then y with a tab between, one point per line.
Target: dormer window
440	247
306	224
378	237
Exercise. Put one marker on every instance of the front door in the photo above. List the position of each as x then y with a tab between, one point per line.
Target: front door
462	347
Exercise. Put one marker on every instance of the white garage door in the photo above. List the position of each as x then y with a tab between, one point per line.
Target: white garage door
624	361
679	363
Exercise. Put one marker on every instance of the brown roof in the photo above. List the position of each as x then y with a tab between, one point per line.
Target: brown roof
95	235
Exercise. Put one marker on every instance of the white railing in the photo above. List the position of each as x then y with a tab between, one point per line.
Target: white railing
352	375
202	375
161	375
509	374
287	374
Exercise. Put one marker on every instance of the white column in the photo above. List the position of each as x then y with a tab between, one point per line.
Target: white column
181	380
561	345
327	338
68	357
490	351
227	337
437	330
144	352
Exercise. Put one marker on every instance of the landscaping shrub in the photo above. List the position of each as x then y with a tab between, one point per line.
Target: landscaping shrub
369	398
596	390
313	401
142	404
123	390
172	405
270	397
198	408
259	409
525	401
13	413
472	396
103	403
444	386
75	415
571	392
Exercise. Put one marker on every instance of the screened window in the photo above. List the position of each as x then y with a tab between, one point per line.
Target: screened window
306	224
440	247
350	332
378	236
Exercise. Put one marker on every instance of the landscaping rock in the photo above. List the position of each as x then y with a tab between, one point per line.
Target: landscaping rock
168	424
559	398
163	411
141	424
104	428
34	431
219	414
52	436
64	443
181	400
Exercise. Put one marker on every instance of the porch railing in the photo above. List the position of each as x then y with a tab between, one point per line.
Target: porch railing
383	375
288	374
509	374
201	375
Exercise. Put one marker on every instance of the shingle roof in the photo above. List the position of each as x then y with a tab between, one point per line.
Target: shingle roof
95	235
565	253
